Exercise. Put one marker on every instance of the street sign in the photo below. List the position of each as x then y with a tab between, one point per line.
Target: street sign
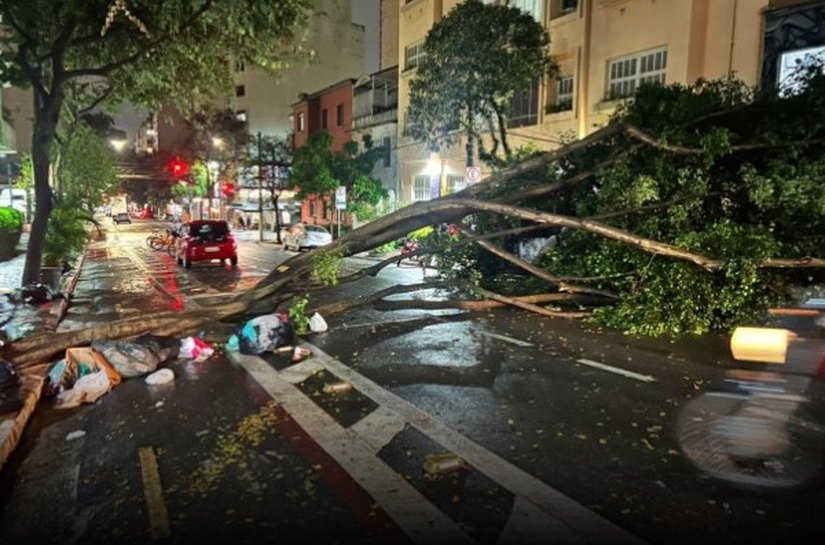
341	198
473	174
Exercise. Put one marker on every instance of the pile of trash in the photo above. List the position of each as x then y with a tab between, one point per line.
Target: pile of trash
85	374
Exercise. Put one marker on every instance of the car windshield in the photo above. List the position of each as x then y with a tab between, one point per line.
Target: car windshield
315	229
209	230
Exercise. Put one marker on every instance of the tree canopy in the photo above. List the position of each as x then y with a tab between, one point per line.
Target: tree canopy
474	60
319	170
137	51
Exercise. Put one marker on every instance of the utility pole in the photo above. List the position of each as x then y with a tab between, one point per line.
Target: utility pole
260	189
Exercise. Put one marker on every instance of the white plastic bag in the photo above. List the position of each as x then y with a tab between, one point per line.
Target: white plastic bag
317	324
161	376
86	389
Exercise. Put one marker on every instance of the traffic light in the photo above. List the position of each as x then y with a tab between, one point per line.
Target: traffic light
178	167
227	189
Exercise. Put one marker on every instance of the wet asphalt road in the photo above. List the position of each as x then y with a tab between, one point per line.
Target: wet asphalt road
519	387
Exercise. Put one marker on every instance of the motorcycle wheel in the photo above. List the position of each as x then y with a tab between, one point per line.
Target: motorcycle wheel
710	431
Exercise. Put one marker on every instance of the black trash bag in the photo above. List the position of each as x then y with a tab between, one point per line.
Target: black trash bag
265	333
165	348
137	357
36	294
9	388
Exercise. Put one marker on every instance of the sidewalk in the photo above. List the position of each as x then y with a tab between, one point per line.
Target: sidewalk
17	319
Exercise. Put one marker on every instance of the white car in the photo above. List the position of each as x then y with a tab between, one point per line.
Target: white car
306	236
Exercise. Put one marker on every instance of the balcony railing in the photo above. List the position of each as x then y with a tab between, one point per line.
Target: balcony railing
380	118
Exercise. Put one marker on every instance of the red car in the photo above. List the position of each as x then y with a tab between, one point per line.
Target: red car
145	214
205	240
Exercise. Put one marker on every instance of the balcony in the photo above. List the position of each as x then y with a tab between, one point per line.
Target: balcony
379	118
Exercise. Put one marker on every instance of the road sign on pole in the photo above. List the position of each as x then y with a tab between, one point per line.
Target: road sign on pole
473	174
341	198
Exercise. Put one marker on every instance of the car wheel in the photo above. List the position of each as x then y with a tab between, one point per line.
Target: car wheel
233	260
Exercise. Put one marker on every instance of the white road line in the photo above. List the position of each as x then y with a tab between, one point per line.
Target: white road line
418	518
504	338
617	370
562	509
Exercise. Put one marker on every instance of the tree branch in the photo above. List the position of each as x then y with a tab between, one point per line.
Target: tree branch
638	134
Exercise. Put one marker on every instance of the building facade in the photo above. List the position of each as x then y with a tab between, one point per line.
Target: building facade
329	109
375	115
264	101
604	50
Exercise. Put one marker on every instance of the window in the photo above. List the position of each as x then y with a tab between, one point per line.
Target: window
455	182
564	95
569	5
525	107
339	115
324	115
413	55
387	151
240	115
421	187
530	7
301	122
239	66
240	90
627	73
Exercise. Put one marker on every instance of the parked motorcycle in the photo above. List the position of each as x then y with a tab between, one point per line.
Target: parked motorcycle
763	428
408	249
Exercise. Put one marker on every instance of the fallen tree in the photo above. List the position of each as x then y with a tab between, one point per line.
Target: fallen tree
694	209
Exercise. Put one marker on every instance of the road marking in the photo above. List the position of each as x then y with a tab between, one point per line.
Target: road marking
617	370
158	517
549	501
504	338
418	518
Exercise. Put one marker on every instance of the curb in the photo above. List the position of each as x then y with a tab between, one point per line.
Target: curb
33	378
11	431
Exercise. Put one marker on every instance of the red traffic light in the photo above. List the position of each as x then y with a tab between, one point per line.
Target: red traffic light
227	188
178	168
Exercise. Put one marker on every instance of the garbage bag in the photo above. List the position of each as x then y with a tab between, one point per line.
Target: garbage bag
87	389
195	348
264	333
138	357
317	324
161	376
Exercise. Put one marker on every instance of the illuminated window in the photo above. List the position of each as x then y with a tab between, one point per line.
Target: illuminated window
627	73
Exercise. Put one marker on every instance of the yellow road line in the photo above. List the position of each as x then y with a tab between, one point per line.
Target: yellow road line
158	517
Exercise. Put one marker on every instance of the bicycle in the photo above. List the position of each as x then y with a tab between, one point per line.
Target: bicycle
163	239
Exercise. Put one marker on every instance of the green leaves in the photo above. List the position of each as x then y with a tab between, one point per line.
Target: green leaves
475	59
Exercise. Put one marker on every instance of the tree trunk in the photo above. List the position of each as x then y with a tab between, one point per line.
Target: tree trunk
46	117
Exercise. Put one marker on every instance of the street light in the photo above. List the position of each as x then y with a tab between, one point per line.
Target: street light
118	143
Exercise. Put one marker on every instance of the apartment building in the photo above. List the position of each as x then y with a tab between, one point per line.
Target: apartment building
605	49
329	109
375	115
8	149
264	101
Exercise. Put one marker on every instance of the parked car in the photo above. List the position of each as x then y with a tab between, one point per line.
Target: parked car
301	236
205	240
121	217
145	214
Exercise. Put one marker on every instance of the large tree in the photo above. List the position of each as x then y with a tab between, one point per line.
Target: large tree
141	51
474	60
